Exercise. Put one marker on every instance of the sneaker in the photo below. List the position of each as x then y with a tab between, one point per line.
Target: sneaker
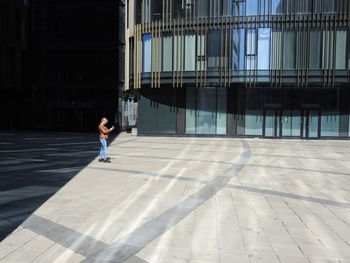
106	161
108	158
100	160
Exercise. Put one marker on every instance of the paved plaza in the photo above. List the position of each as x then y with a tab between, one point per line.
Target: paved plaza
177	200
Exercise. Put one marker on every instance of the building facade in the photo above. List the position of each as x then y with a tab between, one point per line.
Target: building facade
14	64
76	74
261	68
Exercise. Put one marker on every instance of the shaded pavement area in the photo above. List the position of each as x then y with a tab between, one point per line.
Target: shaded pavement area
34	166
197	200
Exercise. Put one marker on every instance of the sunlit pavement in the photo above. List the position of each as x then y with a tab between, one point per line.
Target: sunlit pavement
197	200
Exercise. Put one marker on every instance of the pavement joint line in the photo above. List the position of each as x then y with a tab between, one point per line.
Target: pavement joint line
254	165
135	241
235	152
232	186
169	158
260	147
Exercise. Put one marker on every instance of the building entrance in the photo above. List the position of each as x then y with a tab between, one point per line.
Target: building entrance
310	124
272	123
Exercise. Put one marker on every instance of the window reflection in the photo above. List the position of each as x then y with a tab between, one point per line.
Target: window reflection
146	53
264	48
214	49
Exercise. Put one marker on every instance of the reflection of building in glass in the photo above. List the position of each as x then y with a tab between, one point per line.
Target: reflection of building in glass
269	68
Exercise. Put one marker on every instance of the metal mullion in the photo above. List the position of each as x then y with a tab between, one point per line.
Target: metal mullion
229	54
202	64
196	57
183	52
152	56
297	48
334	54
220	26
206	54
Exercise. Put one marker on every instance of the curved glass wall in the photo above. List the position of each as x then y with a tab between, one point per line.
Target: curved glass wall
265	68
154	10
251	49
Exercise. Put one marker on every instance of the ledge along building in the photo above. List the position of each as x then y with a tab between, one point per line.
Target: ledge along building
253	68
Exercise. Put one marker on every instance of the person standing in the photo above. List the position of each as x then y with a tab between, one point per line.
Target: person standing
104	131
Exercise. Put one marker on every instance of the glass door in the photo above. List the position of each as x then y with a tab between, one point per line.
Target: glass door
272	123
291	120
311	124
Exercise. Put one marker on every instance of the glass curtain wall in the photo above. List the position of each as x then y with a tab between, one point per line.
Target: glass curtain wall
189	9
206	110
264	48
167	54
214	49
146	53
251	49
315	49
340	49
190	51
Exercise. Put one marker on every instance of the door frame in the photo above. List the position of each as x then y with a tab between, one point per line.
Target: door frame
305	116
277	131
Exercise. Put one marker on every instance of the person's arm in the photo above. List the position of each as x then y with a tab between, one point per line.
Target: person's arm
105	130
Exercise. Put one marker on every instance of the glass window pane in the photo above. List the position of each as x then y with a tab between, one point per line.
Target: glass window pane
253	122
191	110
167	52
214	50
264	48
340	57
138	11
226	7
156	45
276	7
190	51
131	55
251	42
276	50
178	52
206	103
235	49
146	53
157	9
327	56
291	123
250	62
289	50
315	50
221	115
313	123
179	9
330	123
202	8
201	58
270	123
238	49
252	7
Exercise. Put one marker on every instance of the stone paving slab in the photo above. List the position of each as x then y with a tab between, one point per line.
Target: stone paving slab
198	200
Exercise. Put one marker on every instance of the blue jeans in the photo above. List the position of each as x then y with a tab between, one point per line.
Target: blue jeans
103	151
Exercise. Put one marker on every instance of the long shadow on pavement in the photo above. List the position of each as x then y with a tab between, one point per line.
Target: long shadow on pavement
34	166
